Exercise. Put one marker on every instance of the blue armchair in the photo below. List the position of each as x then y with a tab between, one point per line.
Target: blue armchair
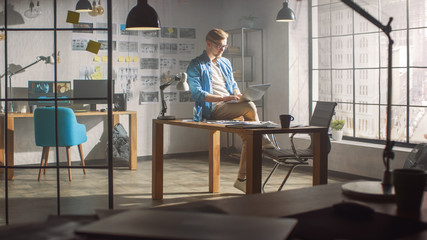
70	133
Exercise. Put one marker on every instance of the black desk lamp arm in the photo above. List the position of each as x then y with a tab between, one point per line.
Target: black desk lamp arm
162	96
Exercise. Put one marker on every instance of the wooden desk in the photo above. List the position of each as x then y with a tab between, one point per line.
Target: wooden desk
11	135
253	153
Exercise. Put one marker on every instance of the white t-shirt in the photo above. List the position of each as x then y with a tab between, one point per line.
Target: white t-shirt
218	83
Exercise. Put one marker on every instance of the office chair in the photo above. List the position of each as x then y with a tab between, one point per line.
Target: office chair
70	133
294	157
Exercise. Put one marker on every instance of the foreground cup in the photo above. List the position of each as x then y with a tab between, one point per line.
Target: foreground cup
285	120
409	184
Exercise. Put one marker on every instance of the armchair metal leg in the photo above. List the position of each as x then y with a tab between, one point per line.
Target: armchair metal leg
82	158
69	162
287	176
268	177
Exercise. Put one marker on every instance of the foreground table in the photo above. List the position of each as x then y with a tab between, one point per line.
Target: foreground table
296	202
253	153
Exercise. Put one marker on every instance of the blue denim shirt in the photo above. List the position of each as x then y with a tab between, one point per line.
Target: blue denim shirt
199	75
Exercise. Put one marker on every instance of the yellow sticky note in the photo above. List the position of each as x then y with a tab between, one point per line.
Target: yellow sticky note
105	58
170	30
98	69
136	59
121	59
97	58
73	17
128	59
96	75
93	47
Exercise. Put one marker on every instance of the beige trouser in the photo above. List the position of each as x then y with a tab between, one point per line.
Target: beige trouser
232	110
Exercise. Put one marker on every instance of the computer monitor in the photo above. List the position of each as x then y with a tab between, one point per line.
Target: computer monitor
90	92
42	93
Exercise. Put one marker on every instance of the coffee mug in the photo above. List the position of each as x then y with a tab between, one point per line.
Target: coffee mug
285	120
409	185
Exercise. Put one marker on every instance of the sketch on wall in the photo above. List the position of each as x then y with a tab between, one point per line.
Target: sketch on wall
183	65
149	81
189	33
83	25
149	63
171	96
186	48
104	25
149	48
168	48
148	97
150	34
125	46
126	80
169	32
79	44
104	45
185	96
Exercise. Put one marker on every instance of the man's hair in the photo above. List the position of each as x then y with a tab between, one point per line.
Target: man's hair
216	35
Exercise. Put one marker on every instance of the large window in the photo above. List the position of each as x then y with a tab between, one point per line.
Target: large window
350	59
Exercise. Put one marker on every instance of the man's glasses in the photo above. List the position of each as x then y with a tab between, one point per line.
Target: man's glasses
219	46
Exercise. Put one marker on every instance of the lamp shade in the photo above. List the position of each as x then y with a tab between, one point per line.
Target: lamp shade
13	17
285	14
83	6
142	17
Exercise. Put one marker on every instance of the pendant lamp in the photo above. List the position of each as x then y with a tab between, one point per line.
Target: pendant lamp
285	14
142	17
83	6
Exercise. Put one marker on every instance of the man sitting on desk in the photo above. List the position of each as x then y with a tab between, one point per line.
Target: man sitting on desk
213	87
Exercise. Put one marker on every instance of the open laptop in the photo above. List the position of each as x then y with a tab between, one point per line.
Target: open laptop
160	224
254	92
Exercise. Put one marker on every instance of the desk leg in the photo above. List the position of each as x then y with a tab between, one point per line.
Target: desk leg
133	138
10	147
320	158
214	160
2	163
157	162
254	163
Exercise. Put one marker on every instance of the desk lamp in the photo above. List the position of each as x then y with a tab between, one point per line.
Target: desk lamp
377	189
181	78
13	70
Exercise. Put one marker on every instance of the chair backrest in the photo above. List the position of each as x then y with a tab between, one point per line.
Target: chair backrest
322	117
70	132
323	113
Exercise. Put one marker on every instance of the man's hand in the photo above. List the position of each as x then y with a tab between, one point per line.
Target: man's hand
218	98
231	98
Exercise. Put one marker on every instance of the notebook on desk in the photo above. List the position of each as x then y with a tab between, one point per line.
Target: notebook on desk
159	224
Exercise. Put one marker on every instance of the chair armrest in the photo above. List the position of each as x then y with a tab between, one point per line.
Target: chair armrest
291	139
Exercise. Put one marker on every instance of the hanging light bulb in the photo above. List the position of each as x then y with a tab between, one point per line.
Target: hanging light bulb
38	8
100	9
33	11
94	11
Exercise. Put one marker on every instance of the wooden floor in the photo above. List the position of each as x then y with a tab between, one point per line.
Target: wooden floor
185	179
